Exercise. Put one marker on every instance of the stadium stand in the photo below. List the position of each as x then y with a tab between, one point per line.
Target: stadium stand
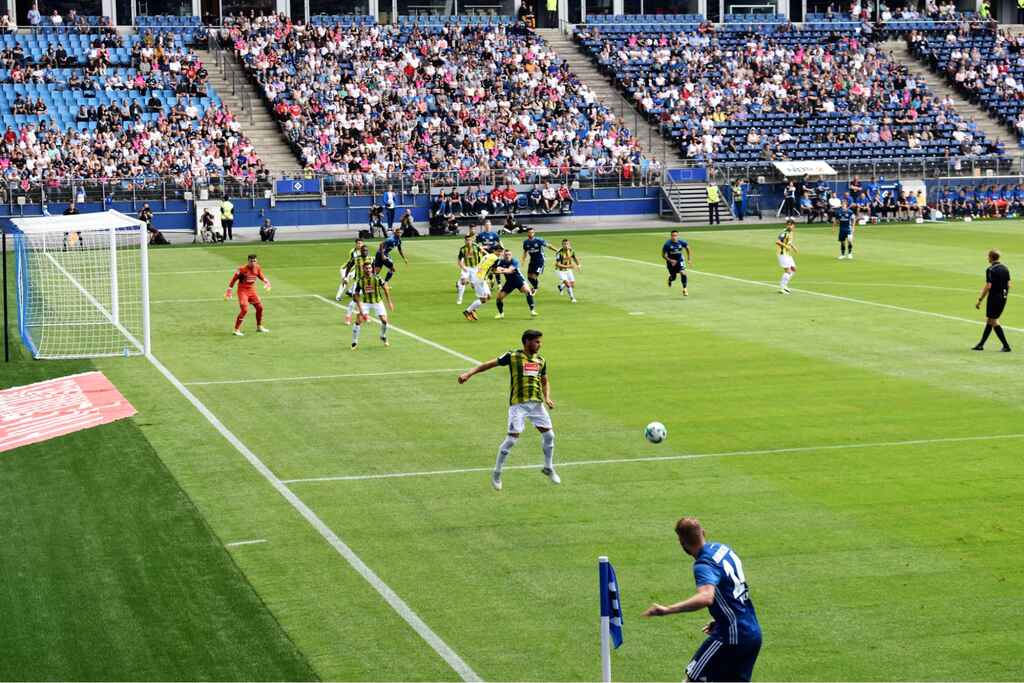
982	65
466	97
750	92
102	106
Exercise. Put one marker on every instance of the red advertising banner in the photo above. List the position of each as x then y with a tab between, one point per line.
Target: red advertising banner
44	410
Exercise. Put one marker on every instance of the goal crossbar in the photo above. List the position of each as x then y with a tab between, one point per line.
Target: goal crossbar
79	222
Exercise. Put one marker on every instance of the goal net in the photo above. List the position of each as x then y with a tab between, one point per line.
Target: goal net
83	285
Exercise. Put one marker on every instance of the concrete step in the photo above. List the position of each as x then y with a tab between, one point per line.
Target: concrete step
650	138
987	124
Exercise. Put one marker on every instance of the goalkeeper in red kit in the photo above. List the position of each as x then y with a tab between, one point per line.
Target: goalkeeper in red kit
246	277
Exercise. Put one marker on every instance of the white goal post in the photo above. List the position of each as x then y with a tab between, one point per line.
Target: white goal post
83	285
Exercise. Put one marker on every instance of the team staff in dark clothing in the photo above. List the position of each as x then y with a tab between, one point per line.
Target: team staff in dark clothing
996	289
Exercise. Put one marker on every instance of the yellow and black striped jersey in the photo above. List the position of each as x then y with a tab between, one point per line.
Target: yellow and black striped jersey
786	238
525	375
471	255
565	259
369	287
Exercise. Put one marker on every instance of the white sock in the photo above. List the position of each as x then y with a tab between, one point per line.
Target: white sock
547	444
350	308
786	277
461	288
571	294
475	305
341	290
355	333
503	450
384	330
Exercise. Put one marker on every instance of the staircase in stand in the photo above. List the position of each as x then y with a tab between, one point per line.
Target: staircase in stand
651	139
688	203
243	100
989	125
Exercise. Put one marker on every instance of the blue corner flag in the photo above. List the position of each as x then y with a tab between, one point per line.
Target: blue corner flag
610	606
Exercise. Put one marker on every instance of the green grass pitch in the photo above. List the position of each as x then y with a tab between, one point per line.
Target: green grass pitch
843	440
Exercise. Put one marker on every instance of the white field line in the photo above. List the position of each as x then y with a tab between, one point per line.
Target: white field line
397	604
834	297
418	338
895	285
309	378
221	298
239	543
665	458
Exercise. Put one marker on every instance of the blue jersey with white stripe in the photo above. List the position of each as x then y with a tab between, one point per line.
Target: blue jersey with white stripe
735	621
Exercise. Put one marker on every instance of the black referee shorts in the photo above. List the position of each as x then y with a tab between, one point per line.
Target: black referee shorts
994	307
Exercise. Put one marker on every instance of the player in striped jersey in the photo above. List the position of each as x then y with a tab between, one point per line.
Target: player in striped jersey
529	399
469	258
370	295
786	248
478	278
356	258
566	262
344	271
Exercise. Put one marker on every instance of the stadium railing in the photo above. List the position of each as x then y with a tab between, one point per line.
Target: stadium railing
163	189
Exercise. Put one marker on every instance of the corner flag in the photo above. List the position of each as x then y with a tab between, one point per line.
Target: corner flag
611	615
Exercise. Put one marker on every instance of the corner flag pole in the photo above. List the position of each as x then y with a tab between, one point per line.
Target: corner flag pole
606	637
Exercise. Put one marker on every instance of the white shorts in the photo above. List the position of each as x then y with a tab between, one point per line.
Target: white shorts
481	287
566	275
786	261
376	309
535	411
467	273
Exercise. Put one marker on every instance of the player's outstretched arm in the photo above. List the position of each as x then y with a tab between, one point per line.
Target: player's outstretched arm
387	297
689	255
704	597
483	367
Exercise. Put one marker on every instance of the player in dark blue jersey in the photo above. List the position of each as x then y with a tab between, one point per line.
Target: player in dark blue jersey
509	267
734	634
672	251
843	222
533	248
382	259
488	238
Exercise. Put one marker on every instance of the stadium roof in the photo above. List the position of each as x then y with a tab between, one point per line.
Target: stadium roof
79	222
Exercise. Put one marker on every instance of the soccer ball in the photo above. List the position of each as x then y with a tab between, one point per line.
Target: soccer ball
655	432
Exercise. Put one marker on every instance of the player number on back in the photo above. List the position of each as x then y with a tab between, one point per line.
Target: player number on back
732	566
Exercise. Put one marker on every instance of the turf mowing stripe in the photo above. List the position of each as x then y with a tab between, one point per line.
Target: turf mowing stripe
664	458
809	291
308	378
439	646
418	338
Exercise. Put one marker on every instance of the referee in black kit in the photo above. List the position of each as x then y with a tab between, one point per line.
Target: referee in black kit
997	289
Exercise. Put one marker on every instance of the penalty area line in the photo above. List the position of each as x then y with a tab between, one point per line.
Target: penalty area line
312	378
390	597
834	297
666	458
236	544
